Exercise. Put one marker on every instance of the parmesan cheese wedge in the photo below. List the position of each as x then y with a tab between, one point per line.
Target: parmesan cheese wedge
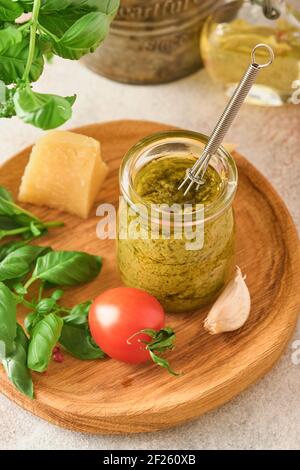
65	171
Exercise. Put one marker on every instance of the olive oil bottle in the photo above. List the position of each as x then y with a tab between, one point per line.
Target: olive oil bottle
235	28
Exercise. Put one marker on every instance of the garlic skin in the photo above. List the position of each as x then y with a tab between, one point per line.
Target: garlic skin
231	310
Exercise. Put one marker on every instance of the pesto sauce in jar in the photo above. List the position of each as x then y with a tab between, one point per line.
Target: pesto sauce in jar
158	181
181	279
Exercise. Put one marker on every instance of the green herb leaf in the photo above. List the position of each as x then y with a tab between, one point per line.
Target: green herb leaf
15	365
13	62
7	321
44	337
77	341
7	223
19	262
45	306
84	36
31	320
67	268
162	341
9	36
9	247
5	194
57	294
78	315
19	215
9	11
41	110
162	363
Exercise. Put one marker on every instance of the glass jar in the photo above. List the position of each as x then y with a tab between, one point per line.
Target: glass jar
235	28
185	260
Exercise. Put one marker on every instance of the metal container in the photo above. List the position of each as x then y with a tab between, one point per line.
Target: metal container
153	41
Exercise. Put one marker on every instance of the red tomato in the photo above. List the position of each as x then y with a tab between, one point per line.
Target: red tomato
118	314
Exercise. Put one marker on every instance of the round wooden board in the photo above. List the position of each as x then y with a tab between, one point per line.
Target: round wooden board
111	397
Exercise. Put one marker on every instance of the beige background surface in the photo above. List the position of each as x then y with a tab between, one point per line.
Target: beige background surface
268	414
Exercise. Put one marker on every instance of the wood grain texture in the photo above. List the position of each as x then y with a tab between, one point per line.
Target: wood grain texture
111	397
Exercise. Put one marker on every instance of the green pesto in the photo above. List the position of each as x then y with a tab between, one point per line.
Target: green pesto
182	280
158	181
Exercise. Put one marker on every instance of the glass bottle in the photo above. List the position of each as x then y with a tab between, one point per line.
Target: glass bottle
235	28
183	272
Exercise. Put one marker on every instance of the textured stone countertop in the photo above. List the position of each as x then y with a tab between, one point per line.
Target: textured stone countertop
267	415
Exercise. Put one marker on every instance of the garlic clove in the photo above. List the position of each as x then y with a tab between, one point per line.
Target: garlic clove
231	310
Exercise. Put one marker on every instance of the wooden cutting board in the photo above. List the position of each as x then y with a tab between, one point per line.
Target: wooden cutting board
111	397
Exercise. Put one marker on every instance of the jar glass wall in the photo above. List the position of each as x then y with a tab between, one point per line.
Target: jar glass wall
234	29
183	269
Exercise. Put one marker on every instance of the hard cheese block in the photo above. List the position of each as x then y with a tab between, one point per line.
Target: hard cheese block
65	171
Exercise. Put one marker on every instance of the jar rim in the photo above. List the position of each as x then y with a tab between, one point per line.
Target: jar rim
211	210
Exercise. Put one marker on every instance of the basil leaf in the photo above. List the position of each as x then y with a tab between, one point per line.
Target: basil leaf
13	62
58	23
9	36
9	11
19	262
67	268
78	315
5	194
109	7
7	107
31	320
27	5
84	36
17	213
42	110
77	341
162	363
45	306
8	321
7	223
9	247
57	294
44	337
15	365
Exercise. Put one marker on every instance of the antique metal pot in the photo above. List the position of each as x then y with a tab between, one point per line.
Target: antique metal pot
153	41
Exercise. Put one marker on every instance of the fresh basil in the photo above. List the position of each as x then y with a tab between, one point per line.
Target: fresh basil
9	247
78	314
9	37
67	268
42	110
15	364
84	36
45	306
14	220
67	28
19	262
10	10
161	341
21	216
8	321
5	194
44	337
13	62
31	320
78	342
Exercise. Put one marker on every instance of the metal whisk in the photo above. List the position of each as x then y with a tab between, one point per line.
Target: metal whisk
195	174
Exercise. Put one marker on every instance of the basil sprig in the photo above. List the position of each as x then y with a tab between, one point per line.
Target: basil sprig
44	337
14	220
66	268
8	321
66	28
76	337
162	341
47	322
15	364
